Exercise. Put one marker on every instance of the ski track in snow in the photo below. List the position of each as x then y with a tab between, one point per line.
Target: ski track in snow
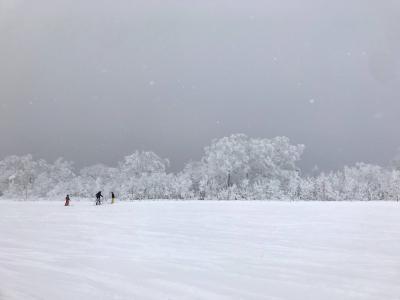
200	250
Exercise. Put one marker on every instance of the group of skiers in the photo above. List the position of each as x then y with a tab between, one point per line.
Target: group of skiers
98	198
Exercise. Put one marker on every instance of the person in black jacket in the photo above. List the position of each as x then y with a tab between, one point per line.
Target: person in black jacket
98	196
112	198
67	201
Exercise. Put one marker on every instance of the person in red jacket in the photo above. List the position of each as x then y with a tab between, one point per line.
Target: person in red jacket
67	201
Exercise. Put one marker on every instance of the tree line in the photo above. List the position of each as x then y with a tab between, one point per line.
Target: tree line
232	168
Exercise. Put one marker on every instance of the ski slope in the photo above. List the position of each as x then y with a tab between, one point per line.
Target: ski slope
200	250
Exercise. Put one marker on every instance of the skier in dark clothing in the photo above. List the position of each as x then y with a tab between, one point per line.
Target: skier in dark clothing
67	201
98	196
112	198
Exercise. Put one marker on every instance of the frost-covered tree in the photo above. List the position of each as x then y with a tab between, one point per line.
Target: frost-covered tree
54	179
393	185
234	167
139	174
227	160
194	173
359	182
142	162
94	178
22	176
364	182
18	174
241	161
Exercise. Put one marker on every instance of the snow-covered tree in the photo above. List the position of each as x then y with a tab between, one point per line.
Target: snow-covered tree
237	159
95	178
234	167
139	174
54	179
144	162
18	174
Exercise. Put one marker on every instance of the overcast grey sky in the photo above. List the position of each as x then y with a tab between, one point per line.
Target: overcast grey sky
95	80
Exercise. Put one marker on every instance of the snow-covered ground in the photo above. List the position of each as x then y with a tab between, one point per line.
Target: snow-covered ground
200	250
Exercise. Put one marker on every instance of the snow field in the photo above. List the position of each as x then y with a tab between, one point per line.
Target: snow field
200	250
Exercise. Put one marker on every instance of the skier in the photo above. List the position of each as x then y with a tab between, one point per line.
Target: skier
98	196
112	198
67	201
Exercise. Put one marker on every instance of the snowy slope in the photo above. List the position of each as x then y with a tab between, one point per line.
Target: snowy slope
200	250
